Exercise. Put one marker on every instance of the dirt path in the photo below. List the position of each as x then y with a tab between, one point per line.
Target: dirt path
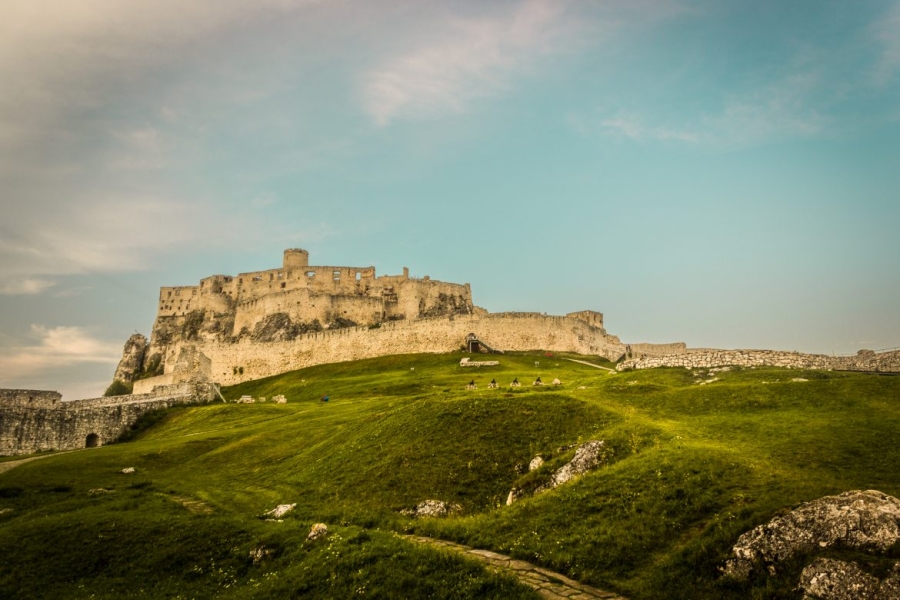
584	362
547	583
12	464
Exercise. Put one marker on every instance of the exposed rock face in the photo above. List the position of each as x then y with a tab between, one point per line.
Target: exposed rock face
588	457
827	579
278	327
132	362
857	519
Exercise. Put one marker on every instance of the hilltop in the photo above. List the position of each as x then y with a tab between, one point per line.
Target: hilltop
695	459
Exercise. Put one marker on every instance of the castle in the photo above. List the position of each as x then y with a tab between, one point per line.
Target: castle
230	329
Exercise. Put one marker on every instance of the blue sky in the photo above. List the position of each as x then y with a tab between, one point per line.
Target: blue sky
720	173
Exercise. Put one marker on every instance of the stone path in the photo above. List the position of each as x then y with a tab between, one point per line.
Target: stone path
547	583
584	362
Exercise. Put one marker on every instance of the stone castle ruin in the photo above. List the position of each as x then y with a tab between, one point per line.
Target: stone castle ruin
230	329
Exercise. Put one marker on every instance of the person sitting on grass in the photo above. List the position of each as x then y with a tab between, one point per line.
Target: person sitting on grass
538	381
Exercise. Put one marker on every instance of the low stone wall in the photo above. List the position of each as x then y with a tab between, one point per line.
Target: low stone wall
639	350
34	421
245	360
883	362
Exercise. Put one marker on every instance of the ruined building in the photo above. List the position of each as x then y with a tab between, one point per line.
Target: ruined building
234	328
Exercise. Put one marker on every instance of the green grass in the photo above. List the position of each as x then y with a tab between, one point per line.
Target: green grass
692	467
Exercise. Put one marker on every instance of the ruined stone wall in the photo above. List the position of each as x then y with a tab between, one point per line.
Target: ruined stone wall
885	362
639	350
34	421
245	360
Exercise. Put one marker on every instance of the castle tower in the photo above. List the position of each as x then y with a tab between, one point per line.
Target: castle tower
295	258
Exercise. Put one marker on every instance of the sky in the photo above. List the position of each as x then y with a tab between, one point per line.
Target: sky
721	173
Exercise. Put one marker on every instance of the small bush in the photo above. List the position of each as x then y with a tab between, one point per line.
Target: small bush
118	388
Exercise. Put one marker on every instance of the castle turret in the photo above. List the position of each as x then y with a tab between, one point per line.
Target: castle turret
295	258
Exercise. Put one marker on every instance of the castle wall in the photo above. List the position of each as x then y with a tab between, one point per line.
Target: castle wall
34	421
638	350
884	362
244	360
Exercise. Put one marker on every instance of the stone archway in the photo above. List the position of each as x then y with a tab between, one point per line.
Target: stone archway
92	441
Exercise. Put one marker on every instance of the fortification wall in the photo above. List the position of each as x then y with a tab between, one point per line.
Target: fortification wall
642	349
34	421
245	360
885	362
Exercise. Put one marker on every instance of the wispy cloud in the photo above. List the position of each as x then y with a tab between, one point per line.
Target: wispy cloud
633	126
471	58
886	31
786	106
49	348
24	286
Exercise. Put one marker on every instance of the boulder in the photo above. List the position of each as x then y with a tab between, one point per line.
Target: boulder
856	519
127	471
535	463
280	510
828	579
319	530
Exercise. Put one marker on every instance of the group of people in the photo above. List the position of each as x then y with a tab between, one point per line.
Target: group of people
515	383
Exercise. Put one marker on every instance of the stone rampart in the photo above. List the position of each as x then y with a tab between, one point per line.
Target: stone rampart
883	362
234	362
34	421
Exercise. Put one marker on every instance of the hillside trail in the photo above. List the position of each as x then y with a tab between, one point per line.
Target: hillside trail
584	362
547	583
12	464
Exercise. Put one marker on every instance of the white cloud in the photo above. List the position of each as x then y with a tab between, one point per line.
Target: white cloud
784	107
24	286
632	126
470	59
53	348
886	31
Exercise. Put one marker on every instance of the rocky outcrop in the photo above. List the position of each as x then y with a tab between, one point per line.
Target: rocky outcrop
132	363
588	456
432	508
857	519
828	579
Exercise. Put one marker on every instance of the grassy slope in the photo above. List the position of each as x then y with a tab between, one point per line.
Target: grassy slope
693	467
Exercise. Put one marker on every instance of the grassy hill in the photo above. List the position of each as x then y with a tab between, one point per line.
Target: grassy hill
693	466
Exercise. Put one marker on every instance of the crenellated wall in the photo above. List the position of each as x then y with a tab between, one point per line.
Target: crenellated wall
35	420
